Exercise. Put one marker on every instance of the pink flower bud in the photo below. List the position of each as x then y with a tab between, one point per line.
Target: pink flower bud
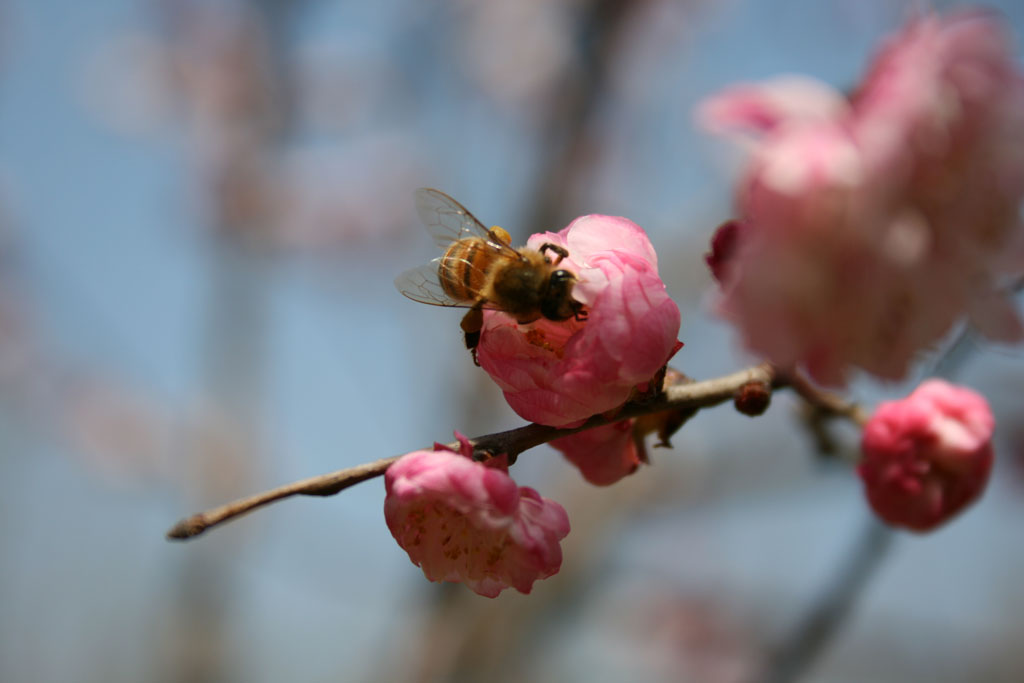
603	454
465	521
561	373
927	456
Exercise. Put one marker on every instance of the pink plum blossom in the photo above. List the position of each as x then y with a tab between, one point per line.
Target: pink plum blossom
942	112
466	521
869	230
561	373
603	455
928	456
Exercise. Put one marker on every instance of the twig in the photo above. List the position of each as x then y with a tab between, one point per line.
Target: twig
695	396
320	485
829	403
954	356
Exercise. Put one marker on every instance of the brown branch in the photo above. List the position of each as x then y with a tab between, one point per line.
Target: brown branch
693	396
320	485
828	403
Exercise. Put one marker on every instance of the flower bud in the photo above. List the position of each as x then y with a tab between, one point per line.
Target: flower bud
465	521
606	454
928	456
603	455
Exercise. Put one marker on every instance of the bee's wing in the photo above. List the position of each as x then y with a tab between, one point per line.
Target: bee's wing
448	221
422	284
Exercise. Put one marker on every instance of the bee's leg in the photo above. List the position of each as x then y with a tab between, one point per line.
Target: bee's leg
579	312
472	341
471	324
561	251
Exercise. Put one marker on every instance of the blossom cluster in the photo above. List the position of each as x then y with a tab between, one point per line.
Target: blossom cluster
462	520
869	225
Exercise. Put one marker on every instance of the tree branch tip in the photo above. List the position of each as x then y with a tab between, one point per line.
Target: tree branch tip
190	527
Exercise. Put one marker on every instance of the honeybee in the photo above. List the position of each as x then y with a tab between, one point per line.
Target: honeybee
480	269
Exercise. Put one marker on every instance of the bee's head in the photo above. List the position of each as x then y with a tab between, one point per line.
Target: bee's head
557	302
562	279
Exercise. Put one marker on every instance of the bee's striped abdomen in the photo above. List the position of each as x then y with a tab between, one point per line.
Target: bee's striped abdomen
463	269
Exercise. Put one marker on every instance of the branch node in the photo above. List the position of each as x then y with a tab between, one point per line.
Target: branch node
753	398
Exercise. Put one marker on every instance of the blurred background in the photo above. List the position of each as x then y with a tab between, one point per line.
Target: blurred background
203	204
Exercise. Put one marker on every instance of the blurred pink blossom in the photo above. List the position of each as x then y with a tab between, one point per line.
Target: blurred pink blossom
465	521
757	109
941	113
928	456
871	230
560	373
603	455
